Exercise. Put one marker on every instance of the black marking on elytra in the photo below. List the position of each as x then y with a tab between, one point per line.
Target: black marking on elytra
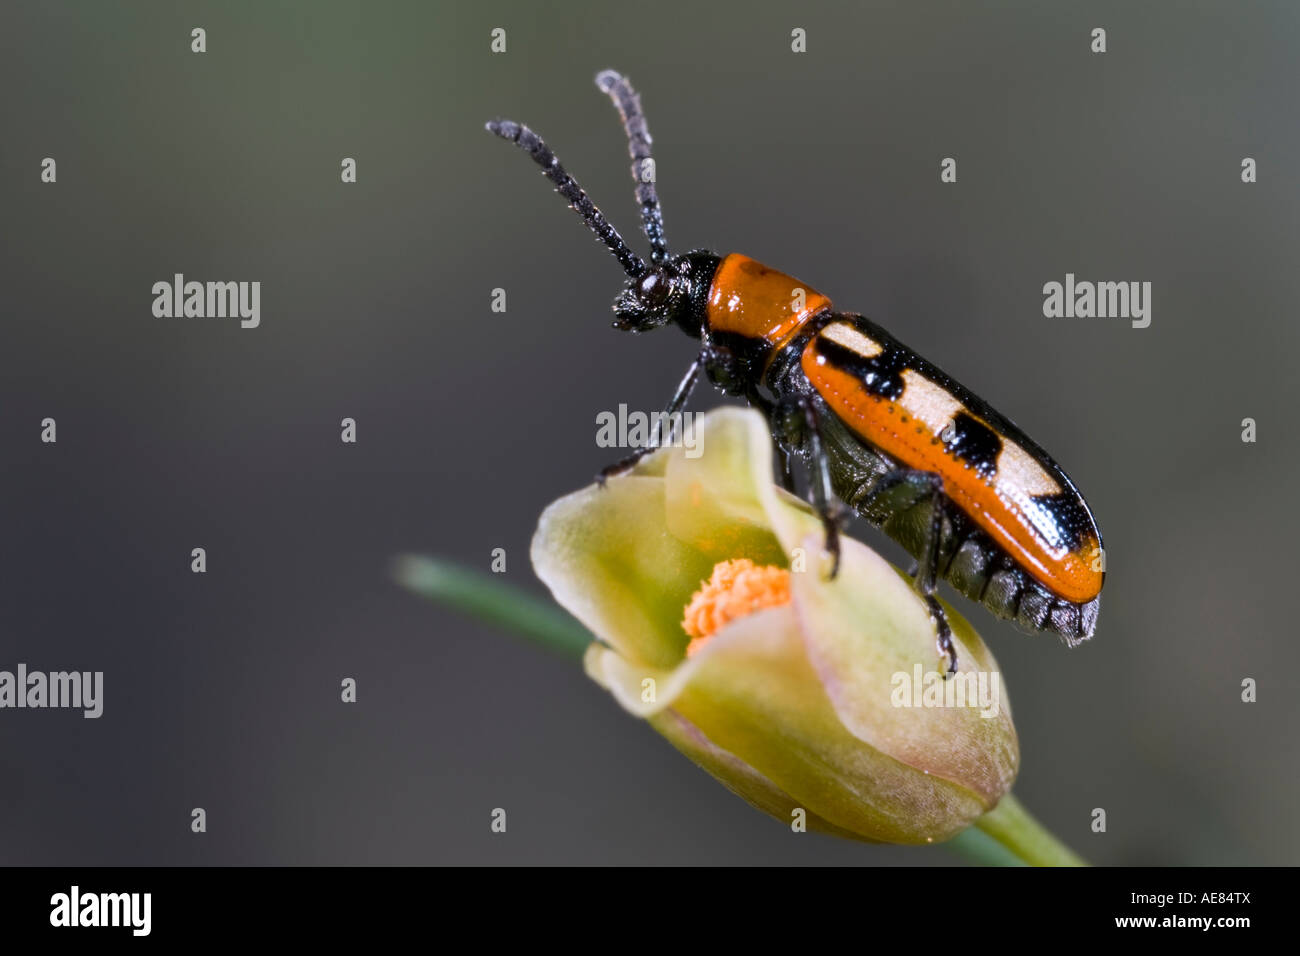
973	442
880	375
1063	518
969	559
1069	516
899	355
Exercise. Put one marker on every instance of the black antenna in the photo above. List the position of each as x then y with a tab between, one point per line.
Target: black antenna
643	171
568	187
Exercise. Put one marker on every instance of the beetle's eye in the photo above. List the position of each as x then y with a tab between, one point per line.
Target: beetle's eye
654	290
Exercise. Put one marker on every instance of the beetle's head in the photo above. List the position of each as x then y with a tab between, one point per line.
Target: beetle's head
650	301
660	291
672	292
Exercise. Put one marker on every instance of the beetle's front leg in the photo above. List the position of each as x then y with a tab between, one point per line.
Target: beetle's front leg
656	439
925	484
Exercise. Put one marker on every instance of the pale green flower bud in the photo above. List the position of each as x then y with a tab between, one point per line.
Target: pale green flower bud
809	702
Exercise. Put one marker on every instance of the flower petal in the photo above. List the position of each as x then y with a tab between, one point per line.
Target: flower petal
736	775
752	692
607	558
868	631
724	501
793	705
860	629
624	559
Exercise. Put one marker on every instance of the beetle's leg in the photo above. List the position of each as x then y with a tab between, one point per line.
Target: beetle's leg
783	456
822	496
673	408
926	484
795	418
787	469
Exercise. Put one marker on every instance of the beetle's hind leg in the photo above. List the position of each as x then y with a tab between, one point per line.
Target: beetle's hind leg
673	408
925	484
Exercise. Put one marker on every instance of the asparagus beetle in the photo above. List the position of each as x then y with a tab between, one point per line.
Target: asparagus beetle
971	497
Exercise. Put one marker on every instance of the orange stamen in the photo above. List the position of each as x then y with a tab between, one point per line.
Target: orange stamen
737	587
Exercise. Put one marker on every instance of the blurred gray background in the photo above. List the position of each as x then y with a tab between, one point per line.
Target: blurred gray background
222	689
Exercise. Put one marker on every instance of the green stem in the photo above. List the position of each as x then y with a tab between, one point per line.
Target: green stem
1012	829
487	598
1005	836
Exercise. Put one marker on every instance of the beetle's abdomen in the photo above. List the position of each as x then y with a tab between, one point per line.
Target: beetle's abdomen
900	404
749	300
